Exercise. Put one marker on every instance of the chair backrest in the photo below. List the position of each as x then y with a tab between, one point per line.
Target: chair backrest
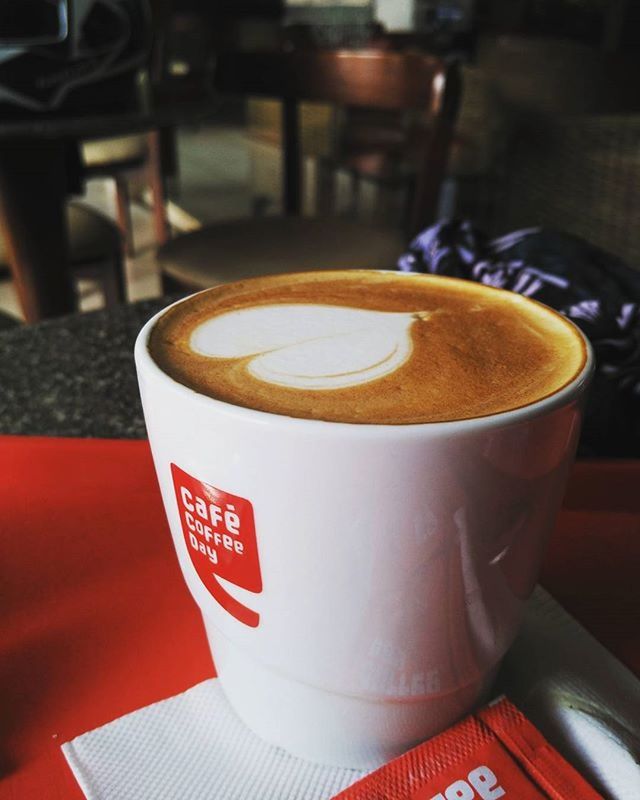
351	78
543	76
571	159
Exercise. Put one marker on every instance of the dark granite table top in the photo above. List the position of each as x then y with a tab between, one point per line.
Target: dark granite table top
74	376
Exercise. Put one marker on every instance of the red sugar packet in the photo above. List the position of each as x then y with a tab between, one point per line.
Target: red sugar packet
494	753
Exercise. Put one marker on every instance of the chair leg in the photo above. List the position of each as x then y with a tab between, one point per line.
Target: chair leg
386	203
355	186
407	206
156	183
113	281
123	211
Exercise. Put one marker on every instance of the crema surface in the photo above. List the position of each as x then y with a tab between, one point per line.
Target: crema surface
364	346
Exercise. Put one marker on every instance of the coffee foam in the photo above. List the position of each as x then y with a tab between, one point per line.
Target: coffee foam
304	346
367	346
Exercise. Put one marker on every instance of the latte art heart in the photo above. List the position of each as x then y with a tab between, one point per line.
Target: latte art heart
361	346
304	346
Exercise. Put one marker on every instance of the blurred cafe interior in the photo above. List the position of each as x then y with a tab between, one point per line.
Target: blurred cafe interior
155	147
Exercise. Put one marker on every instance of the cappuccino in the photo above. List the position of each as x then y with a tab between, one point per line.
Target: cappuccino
365	346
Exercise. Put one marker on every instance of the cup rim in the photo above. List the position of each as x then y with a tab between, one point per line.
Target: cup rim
562	396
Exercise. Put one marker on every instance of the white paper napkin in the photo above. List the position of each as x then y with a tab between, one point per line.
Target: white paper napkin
193	747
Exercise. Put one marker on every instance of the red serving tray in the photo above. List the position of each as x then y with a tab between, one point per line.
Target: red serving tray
95	620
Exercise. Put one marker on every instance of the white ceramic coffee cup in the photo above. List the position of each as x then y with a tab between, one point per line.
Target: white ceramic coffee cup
389	565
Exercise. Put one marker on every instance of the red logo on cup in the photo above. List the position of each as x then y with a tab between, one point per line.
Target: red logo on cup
220	535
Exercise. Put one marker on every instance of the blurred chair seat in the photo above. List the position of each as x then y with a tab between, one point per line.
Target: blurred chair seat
107	154
95	250
246	248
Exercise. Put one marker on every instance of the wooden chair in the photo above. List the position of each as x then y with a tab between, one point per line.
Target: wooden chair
365	79
122	158
95	251
572	154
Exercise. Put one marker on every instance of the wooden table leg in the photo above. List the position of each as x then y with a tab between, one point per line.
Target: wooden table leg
33	193
156	182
